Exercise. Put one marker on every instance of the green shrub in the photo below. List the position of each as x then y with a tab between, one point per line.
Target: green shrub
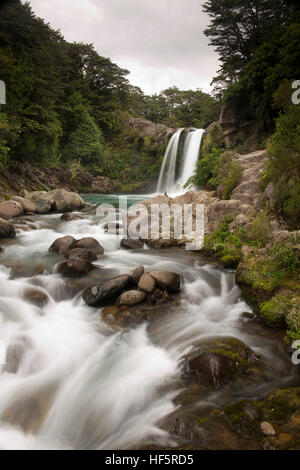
260	230
285	258
276	310
283	166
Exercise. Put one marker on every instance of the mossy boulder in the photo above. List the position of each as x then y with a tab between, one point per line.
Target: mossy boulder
217	360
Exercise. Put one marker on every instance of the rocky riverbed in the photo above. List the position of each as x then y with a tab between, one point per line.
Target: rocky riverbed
141	348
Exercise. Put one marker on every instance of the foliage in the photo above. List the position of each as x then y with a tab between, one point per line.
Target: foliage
283	167
260	229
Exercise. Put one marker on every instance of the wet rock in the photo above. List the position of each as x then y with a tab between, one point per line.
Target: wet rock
63	244
10	209
90	244
132	297
167	281
75	268
216	360
267	429
69	216
132	244
28	206
36	297
147	283
100	294
137	274
14	354
6	230
81	253
159	297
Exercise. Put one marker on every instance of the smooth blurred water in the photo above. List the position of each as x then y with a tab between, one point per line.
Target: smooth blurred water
80	384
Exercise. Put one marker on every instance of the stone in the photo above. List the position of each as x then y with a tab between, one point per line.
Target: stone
267	429
132	297
216	360
10	209
65	201
28	206
132	244
36	297
147	283
167	280
7	230
98	295
75	268
90	244
69	216
63	244
137	274
81	253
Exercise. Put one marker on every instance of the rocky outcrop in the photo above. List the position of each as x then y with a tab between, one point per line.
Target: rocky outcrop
21	177
145	128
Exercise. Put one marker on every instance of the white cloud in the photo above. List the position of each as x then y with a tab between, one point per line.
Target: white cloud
161	42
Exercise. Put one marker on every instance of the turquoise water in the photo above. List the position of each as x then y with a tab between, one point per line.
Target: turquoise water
113	198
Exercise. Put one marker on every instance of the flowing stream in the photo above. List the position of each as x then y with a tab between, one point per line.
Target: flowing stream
72	381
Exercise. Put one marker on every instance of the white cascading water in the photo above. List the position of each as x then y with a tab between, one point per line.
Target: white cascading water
71	381
166	178
191	149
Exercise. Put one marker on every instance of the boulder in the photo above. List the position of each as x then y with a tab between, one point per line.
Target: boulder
101	293
6	229
43	205
81	253
69	216
90	244
28	206
137	274
147	283
159	297
132	244
9	209
65	201
36	297
132	297
216	360
75	268
267	429
167	281
63	244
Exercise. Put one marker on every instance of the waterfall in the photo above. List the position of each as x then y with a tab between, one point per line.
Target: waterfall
167	179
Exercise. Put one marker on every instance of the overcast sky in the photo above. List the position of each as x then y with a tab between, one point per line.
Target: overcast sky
161	42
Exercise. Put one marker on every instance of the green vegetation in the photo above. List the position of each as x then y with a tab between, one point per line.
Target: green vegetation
217	169
283	167
66	104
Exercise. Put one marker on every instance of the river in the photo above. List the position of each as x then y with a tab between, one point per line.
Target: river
81	383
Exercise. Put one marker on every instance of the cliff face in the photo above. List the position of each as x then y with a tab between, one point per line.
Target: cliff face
19	177
145	128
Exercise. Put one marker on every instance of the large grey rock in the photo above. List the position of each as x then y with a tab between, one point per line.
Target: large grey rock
9	209
137	274
100	294
66	201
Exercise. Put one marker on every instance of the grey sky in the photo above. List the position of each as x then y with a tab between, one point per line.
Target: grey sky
161	42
